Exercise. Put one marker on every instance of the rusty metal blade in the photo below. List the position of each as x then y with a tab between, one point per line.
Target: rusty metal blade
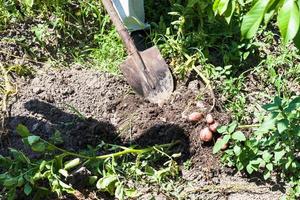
156	70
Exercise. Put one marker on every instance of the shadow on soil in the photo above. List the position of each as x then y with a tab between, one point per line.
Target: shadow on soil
78	132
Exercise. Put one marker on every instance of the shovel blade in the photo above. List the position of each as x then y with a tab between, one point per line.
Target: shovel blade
156	70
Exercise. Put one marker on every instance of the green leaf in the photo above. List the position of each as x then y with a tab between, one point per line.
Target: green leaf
293	105
107	183
56	138
237	150
267	156
273	106
239	136
222	129
269	166
253	18
11	194
249	168
92	179
230	10
266	126
220	143
278	155
297	37
20	156
282	125
72	163
23	131
253	165
119	192
6	162
222	6
11	182
39	146
64	185
35	143
232	127
42	165
267	174
132	193
27	189
29	178
288	20
215	6
33	139
63	172
20	181
28	3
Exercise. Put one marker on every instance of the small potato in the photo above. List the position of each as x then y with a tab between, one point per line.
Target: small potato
206	135
209	119
213	127
195	116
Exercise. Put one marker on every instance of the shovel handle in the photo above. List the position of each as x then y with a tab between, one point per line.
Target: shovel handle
123	32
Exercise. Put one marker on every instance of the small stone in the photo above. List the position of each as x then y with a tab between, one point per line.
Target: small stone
68	91
194	86
49	129
200	104
35	127
49	98
37	90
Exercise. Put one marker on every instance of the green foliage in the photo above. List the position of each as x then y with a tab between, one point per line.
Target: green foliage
190	34
110	172
253	18
78	32
273	147
262	11
289	20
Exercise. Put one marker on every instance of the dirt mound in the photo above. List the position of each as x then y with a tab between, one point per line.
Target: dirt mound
87	106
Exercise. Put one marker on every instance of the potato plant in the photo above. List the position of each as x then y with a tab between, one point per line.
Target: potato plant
274	147
50	175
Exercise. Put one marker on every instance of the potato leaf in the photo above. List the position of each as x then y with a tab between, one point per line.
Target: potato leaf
220	143
19	156
107	183
10	182
278	155
33	139
23	131
282	125
27	189
72	163
239	136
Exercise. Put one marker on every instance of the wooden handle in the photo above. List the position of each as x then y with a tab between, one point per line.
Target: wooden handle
123	32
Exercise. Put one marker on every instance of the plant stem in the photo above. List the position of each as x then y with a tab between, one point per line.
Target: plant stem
249	126
208	85
120	153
